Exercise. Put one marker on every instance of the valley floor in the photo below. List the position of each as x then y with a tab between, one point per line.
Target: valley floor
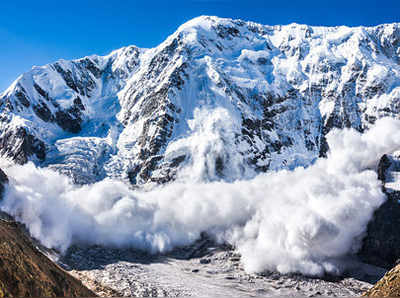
203	270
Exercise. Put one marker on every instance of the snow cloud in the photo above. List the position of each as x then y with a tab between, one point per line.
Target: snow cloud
291	221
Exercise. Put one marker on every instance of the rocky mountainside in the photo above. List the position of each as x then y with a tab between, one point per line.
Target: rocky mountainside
24	271
226	97
381	246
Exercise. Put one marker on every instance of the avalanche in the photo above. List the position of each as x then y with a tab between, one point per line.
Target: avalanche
226	125
290	221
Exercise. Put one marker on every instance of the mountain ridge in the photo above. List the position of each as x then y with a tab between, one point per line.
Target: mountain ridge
226	97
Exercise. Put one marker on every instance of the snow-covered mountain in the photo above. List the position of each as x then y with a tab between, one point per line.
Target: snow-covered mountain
219	99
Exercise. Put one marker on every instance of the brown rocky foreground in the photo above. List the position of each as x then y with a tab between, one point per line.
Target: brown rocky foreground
25	271
388	286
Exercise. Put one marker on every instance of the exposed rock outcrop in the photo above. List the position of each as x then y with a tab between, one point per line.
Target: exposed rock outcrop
381	246
3	183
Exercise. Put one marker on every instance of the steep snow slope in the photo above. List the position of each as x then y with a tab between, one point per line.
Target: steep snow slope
227	97
63	115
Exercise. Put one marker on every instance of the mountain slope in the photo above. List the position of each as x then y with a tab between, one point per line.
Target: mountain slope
25	271
388	286
224	98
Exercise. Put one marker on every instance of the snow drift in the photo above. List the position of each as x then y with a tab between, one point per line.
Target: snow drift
290	221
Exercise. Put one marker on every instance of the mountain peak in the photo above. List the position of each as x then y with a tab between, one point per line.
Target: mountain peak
271	92
205	21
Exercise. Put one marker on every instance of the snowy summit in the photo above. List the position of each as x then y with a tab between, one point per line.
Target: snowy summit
227	98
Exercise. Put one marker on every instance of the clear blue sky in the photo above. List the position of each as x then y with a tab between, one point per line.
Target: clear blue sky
42	31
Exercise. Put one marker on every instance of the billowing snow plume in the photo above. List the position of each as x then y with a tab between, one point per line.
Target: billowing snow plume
290	221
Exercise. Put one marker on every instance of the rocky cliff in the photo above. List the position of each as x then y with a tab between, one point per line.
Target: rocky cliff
381	246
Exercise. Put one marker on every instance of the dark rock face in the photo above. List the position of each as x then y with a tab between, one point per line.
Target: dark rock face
21	96
381	246
68	122
43	112
384	164
82	84
19	145
88	64
3	183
